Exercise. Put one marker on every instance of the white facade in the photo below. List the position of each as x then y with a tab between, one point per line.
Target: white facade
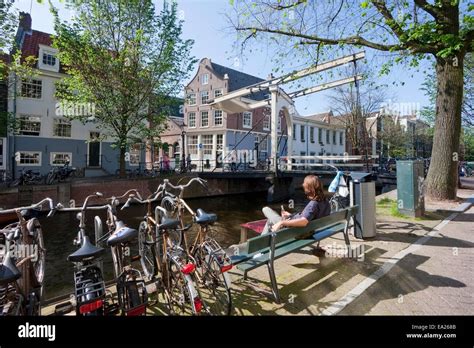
314	138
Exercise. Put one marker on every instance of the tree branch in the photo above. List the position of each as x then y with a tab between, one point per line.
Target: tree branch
285	7
432	10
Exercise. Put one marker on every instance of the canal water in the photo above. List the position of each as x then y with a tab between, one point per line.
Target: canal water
60	231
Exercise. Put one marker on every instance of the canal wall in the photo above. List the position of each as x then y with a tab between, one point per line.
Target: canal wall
80	189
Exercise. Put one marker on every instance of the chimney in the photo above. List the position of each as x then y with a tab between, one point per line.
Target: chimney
25	21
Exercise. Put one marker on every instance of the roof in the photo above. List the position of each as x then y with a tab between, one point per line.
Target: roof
32	40
238	80
179	121
322	117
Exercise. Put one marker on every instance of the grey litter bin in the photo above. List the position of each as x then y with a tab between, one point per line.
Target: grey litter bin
362	190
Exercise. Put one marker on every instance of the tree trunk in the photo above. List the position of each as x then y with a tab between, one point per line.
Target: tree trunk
442	177
122	161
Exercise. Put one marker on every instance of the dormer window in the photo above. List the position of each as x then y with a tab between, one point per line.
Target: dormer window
48	59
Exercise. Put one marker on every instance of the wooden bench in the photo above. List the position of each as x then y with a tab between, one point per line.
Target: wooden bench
265	249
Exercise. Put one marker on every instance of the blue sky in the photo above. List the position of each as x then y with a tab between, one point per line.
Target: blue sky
205	23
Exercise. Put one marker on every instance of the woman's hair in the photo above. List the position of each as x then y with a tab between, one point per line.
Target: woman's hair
313	188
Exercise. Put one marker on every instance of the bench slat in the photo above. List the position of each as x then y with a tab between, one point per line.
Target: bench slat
287	249
248	262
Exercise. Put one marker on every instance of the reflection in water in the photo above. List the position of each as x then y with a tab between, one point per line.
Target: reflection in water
60	231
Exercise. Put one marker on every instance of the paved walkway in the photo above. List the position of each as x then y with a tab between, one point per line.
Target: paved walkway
412	267
436	279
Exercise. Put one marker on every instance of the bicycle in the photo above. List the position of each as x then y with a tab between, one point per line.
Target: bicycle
165	262
131	291
90	295
211	260
340	198
23	263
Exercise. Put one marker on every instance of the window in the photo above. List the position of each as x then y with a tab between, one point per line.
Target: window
207	144
264	145
30	125
205	79
334	137
193	144
192	99
311	134
60	158
62	128
192	120
204	119
320	135
328	137
220	142
247	120
341	136
204	97
134	152
49	58
31	88
302	130
294	132
217	117
217	92
266	123
30	158
312	154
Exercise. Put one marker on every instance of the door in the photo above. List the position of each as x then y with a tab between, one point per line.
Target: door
94	150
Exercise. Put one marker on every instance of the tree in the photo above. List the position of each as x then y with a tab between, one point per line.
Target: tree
396	139
355	104
125	61
428	113
407	30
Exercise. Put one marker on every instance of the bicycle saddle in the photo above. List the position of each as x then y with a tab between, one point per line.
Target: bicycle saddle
204	218
168	224
122	234
86	251
8	271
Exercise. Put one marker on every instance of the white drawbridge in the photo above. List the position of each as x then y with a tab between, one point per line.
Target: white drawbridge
236	101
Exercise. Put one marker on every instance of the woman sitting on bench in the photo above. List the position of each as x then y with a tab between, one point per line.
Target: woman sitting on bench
317	207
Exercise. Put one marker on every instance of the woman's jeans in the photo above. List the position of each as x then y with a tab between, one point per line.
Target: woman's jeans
272	218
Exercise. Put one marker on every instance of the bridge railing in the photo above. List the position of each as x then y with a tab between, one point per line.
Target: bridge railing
302	163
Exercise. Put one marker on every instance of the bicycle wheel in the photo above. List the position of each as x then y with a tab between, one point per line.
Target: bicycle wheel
184	297
38	249
215	285
334	204
147	251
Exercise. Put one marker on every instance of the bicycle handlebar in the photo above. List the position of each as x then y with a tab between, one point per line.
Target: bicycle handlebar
33	206
181	188
113	198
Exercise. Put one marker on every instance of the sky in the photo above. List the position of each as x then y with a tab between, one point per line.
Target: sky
205	23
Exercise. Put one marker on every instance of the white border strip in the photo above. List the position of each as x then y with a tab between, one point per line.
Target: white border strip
387	266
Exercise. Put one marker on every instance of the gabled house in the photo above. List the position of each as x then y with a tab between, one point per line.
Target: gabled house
44	137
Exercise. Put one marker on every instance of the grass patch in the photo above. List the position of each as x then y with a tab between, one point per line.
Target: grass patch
394	211
385	201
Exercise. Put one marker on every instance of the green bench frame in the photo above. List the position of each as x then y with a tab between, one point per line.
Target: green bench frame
265	249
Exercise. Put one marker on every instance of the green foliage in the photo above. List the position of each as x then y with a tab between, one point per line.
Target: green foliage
125	60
